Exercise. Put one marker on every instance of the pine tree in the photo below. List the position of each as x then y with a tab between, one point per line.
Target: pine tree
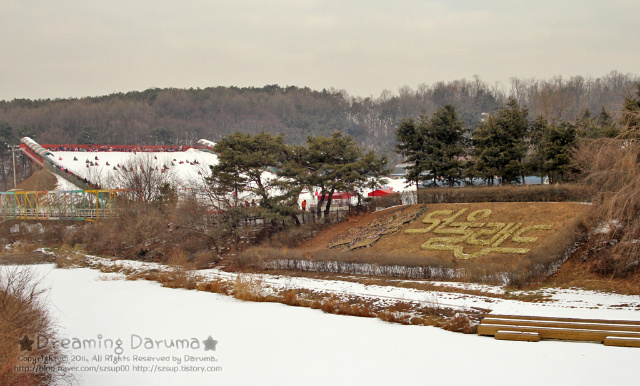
630	117
338	164
410	143
445	135
434	145
586	125
243	161
499	144
558	143
607	127
535	160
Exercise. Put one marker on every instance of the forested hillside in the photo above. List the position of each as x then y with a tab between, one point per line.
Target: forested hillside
182	116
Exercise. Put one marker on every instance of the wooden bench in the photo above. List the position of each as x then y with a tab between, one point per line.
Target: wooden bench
518	335
524	317
570	325
508	327
621	341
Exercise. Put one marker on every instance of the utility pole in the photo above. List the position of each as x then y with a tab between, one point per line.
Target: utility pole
14	148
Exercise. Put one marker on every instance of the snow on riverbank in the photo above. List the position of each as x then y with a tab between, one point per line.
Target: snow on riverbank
274	344
575	303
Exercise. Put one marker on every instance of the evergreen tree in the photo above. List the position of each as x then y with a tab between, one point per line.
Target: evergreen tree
535	160
338	164
499	144
586	125
445	138
630	117
243	160
433	145
7	136
558	143
607	127
411	144
604	118
87	136
334	164
162	136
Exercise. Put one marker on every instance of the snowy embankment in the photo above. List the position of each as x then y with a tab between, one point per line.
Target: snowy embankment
63	184
556	302
274	344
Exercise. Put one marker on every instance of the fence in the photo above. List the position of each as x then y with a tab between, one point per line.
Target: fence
334	216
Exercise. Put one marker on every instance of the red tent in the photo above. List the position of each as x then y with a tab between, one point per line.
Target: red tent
337	196
381	192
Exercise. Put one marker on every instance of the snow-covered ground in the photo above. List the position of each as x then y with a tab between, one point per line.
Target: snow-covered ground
274	344
63	184
99	167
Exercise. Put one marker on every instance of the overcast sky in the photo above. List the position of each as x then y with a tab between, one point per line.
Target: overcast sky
76	48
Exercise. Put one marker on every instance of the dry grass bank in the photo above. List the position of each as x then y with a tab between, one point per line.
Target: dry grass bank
611	168
23	318
402	254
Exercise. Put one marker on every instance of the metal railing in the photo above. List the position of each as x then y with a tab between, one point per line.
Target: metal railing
83	205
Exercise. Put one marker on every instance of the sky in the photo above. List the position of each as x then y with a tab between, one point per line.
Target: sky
78	48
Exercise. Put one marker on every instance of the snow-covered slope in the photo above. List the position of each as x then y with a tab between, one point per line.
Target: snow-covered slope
100	167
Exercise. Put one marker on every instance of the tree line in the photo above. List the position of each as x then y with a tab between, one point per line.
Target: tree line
182	116
505	146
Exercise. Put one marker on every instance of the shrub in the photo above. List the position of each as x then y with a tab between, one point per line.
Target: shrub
248	288
290	297
178	258
215	286
203	259
509	193
68	257
460	323
177	278
293	236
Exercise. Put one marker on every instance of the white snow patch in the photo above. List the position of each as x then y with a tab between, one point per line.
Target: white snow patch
63	184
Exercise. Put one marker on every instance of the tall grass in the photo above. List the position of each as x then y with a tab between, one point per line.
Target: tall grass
246	287
611	167
23	312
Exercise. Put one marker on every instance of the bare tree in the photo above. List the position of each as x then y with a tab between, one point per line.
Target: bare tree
145	175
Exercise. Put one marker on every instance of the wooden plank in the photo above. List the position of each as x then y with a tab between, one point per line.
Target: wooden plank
621	341
518	335
574	325
557	333
524	317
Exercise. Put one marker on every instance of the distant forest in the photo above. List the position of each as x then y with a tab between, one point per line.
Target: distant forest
182	116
